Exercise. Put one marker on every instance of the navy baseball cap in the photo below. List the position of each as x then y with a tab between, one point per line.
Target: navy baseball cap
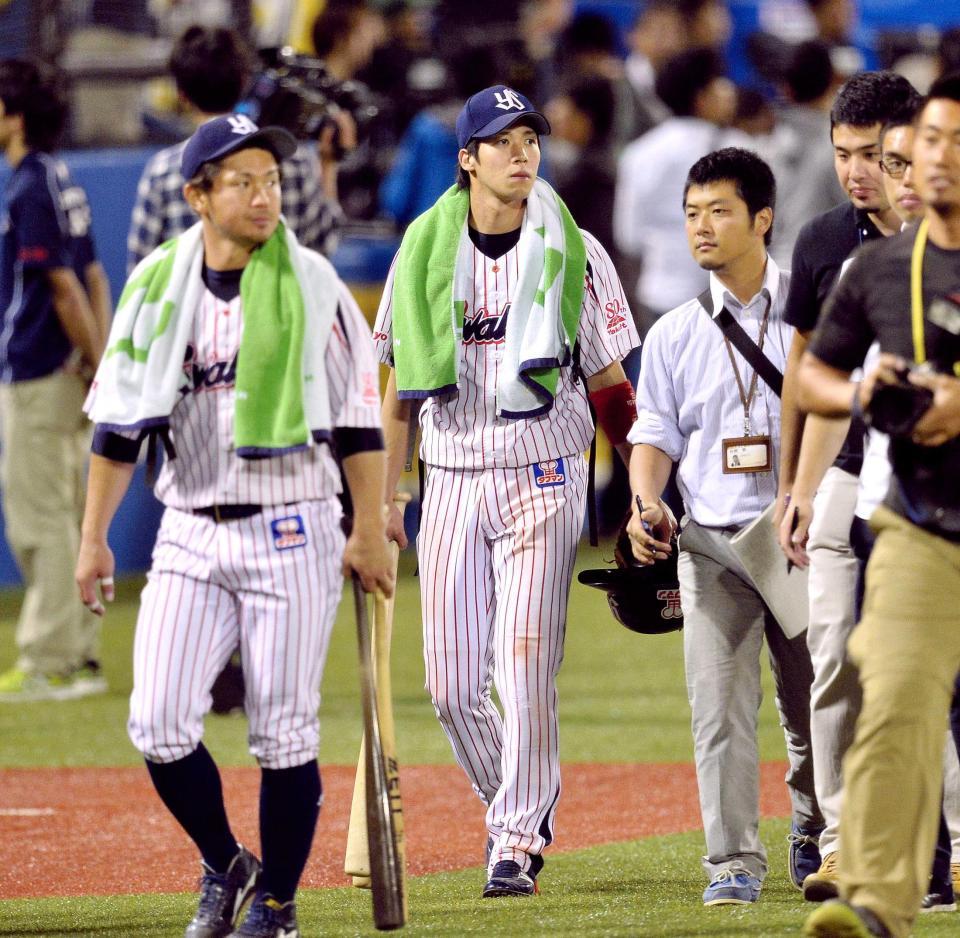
225	135
494	109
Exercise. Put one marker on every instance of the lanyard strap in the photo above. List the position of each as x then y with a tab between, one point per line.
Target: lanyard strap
746	397
916	292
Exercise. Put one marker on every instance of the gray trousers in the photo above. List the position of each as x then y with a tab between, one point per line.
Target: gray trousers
725	621
836	696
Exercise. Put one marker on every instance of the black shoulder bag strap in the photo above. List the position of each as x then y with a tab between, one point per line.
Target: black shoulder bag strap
743	344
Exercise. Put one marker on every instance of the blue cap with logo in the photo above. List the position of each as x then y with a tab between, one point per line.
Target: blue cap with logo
494	109
225	135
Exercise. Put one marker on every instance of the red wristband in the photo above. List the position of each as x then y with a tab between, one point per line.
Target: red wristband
616	409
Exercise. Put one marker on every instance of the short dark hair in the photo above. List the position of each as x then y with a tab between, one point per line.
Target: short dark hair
589	32
211	67
463	177
684	76
905	116
36	93
810	71
750	174
946	86
338	19
689	9
595	97
869	98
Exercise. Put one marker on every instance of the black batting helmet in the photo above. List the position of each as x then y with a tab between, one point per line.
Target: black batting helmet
644	598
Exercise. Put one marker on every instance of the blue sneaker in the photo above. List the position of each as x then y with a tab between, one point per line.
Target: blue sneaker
733	886
804	853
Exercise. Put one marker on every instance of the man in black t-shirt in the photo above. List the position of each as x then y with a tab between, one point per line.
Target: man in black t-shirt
860	109
904	293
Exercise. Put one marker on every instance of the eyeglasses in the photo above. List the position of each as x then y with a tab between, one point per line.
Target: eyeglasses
894	167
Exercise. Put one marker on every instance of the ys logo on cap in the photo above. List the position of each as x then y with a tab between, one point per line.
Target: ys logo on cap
507	99
241	124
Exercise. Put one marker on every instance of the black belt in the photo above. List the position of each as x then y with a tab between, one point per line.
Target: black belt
229	512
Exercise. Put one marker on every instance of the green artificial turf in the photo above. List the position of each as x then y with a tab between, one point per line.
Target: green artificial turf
647	889
622	695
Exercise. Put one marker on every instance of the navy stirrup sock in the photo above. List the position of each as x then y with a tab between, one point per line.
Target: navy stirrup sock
191	790
289	807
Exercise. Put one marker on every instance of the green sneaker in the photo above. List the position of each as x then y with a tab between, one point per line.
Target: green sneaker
18	686
88	680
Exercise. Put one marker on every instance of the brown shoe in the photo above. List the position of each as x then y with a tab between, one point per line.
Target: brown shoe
824	884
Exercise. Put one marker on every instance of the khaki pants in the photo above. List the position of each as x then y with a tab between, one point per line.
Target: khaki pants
907	648
835	695
45	440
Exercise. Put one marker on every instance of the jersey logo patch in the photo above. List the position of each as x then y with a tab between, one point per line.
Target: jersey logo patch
485	327
615	320
288	532
548	473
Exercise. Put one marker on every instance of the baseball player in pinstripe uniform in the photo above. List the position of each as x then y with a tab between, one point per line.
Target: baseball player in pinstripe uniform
492	302
247	354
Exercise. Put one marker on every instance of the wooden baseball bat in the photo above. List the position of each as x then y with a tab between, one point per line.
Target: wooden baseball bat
357	858
385	881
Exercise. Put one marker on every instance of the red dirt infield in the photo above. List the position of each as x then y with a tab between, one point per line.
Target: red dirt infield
91	831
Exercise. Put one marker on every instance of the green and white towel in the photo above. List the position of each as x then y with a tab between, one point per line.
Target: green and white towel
289	297
433	278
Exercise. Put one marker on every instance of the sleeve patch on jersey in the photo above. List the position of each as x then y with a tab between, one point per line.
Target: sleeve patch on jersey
614	316
288	532
548	473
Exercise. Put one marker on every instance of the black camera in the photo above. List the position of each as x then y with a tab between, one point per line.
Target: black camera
895	408
297	92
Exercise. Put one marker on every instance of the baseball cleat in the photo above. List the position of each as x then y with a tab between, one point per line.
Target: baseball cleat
268	918
734	886
223	895
507	879
804	859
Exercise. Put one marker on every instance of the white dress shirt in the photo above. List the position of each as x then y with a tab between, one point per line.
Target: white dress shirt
688	401
648	206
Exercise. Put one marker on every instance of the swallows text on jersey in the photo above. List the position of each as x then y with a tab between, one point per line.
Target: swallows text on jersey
207	376
485	327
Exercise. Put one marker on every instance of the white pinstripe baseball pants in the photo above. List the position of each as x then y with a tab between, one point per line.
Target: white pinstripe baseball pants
496	556
215	586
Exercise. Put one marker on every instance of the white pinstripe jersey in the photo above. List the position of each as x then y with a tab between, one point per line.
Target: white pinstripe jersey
205	470
462	430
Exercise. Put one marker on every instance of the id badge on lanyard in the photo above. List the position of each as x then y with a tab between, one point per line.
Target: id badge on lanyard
750	452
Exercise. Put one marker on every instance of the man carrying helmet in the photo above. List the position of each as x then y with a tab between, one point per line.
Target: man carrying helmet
701	405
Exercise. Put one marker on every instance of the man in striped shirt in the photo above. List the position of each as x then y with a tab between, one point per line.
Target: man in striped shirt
250	550
505	494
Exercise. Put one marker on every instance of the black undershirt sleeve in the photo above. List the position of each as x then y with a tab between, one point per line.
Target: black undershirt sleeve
115	446
350	440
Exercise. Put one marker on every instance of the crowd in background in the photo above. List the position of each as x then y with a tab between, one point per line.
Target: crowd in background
602	87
